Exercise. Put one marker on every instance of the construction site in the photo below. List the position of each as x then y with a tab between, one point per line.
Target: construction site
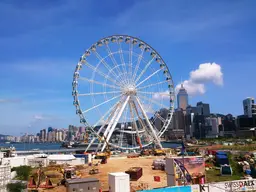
144	174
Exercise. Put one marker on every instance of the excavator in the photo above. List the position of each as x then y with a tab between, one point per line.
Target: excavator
107	152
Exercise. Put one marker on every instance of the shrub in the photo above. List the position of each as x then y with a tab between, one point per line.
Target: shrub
15	187
23	172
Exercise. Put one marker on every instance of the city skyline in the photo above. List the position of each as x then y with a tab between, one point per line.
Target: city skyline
209	46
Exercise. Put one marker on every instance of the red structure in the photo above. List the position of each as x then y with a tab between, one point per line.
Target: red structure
157	178
32	183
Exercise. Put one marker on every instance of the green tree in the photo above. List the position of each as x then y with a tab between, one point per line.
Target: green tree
23	172
15	187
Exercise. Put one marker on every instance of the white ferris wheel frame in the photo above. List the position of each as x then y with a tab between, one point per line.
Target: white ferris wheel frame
128	88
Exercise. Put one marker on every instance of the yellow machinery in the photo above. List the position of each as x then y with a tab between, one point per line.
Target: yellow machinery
107	153
70	173
93	170
86	137
159	152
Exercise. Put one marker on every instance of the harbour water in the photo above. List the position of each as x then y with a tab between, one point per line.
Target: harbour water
49	146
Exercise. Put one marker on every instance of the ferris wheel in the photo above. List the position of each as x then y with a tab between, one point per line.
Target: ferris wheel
123	91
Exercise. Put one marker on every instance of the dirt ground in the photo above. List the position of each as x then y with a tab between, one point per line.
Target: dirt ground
122	165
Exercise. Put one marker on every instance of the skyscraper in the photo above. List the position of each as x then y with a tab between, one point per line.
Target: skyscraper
182	98
249	107
203	108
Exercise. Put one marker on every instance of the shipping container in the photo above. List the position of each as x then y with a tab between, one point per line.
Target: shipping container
135	173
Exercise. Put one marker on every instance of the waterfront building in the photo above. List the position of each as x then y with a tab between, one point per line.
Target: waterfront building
50	129
182	98
81	130
249	107
203	109
191	109
213	124
43	136
189	125
177	126
199	129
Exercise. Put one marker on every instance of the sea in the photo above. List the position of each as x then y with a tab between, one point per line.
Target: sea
49	146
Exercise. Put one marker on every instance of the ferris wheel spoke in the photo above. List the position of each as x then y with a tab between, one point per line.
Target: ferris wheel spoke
99	93
148	122
160	117
143	125
145	68
99	83
153	84
139	119
102	60
132	116
113	58
102	103
110	111
103	124
152	93
130	58
154	119
101	73
153	101
138	63
122	59
122	129
115	121
149	77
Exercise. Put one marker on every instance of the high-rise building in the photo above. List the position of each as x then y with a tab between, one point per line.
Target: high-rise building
81	129
249	107
182	98
213	124
203	109
44	135
50	129
191	110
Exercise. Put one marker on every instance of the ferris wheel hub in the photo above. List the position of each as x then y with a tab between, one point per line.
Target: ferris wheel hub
130	90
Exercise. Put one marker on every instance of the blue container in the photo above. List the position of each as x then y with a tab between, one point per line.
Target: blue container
248	171
221	153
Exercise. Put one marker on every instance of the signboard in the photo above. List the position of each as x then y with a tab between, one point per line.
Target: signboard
195	188
195	167
239	185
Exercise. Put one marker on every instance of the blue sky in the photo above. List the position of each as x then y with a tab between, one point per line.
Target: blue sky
41	42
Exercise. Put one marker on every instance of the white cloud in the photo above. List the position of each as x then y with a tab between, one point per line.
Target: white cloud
206	72
148	108
38	117
161	95
192	88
